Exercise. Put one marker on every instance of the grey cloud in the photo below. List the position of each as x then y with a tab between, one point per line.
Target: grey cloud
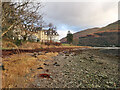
80	13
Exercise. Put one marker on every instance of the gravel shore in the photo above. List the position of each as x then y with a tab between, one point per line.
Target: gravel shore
79	69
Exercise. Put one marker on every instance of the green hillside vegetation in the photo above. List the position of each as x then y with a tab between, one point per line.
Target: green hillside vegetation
106	39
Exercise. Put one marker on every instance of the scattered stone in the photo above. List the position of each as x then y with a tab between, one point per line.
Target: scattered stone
79	81
40	68
73	73
35	53
99	62
107	86
96	86
46	52
35	56
45	75
65	57
105	68
46	64
66	54
3	68
103	76
73	54
61	53
38	84
81	60
91	58
41	53
47	70
110	83
56	64
86	72
85	58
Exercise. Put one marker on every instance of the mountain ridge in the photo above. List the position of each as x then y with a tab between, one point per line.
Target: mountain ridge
112	28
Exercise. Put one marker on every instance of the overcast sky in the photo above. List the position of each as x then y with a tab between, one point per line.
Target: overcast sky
77	16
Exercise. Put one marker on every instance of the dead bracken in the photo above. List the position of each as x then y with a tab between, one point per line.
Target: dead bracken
44	75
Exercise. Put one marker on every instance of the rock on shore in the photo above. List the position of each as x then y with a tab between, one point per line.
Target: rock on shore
81	69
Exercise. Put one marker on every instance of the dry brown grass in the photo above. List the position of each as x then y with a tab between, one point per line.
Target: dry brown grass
37	45
8	45
47	56
30	45
18	68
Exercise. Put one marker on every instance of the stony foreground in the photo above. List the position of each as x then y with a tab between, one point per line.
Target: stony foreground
69	69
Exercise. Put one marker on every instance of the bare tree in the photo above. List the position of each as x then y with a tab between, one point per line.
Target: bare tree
23	14
50	25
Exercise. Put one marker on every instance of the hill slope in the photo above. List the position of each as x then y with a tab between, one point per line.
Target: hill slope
106	36
80	34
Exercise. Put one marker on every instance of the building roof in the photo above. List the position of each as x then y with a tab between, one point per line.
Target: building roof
52	32
48	32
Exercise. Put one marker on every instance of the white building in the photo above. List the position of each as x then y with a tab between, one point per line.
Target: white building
52	35
37	35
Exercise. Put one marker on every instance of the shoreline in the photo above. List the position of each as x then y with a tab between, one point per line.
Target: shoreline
85	68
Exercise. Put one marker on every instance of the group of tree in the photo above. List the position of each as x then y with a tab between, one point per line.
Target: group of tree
25	14
69	37
51	26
